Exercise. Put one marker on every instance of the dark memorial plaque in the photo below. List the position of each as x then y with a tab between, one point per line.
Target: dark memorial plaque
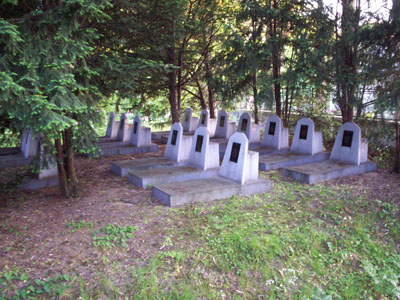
174	136
121	124
244	125
187	117
235	152
135	128
222	121
347	138
271	129
199	143
303	132
203	119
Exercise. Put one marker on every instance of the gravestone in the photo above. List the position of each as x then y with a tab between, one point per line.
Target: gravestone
124	128
239	164
45	175
275	135
251	130
141	136
238	176
349	147
178	145
203	162
305	139
203	154
349	157
306	147
208	122
30	145
112	126
189	123
224	128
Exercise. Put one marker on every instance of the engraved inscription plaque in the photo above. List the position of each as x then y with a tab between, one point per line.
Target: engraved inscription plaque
235	152
203	119
174	136
135	128
303	132
347	138
222	121
187	117
244	125
271	129
199	143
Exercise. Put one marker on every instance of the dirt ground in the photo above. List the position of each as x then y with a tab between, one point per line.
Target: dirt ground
34	236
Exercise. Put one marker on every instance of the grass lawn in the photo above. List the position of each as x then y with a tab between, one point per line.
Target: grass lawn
335	240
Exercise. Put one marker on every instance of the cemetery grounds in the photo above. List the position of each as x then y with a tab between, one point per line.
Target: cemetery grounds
333	240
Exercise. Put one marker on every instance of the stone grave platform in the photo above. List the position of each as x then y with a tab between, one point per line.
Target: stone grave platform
124	148
209	189
122	168
277	161
14	160
326	170
36	183
144	178
257	147
9	151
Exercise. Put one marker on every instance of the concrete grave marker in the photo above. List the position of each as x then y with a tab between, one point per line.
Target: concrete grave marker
238	176
203	154
239	164
190	123
275	135
178	145
112	126
30	146
206	121
252	131
349	147
47	173
141	136
203	162
349	157
124	129
224	128
305	139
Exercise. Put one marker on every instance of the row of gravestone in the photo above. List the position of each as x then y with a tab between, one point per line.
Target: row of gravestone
190	170
124	131
194	158
220	127
306	140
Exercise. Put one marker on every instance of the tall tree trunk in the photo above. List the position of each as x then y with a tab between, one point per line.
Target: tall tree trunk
348	59
396	167
255	93
276	65
172	86
211	101
203	104
66	166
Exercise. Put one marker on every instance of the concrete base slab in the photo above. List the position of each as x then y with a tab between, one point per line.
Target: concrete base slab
106	139
14	160
126	149
34	183
276	161
123	167
161	136
9	150
262	150
326	170
144	178
209	189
